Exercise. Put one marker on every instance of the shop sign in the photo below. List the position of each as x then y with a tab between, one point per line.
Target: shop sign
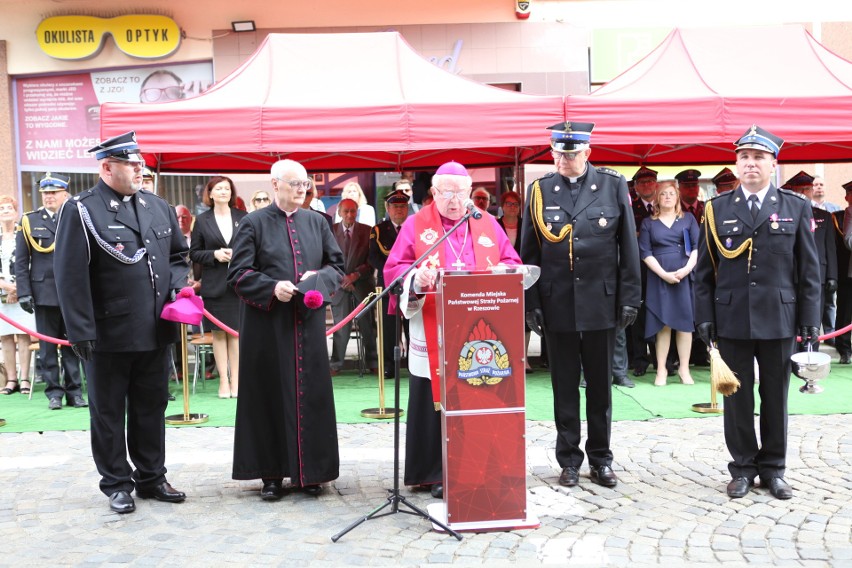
144	36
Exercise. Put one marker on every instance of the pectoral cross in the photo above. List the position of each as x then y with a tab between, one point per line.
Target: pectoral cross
458	264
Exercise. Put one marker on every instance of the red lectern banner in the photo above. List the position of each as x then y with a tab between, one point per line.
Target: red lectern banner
481	336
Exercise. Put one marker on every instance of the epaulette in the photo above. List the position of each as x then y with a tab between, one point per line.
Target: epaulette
548	175
31	212
718	195
84	194
608	171
793	193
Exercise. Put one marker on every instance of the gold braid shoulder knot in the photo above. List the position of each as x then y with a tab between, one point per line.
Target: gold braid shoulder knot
25	226
537	212
710	225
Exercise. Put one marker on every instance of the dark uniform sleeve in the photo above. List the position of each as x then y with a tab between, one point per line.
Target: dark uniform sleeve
73	280
705	275
530	249
830	251
178	252
807	268
629	279
22	265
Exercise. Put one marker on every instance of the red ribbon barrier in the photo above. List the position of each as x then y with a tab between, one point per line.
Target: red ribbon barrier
40	336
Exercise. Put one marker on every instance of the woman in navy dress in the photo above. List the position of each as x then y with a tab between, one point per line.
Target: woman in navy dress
667	245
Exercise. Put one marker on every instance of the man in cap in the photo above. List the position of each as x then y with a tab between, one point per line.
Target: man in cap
688	186
823	230
382	238
725	181
406	186
645	183
478	244
843	226
757	286
580	230
34	245
149	180
120	256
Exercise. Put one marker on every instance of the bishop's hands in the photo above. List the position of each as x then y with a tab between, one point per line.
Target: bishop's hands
425	279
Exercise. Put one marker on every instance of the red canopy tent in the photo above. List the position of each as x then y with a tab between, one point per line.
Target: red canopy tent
339	102
700	89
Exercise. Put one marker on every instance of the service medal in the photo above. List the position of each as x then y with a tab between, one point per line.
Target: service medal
429	236
728	242
549	227
774	225
602	222
119	247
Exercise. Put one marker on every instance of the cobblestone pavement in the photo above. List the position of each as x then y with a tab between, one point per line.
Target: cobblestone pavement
669	508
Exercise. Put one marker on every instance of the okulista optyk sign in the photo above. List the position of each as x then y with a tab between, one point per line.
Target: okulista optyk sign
144	36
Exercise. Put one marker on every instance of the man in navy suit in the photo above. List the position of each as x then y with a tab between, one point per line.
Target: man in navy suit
34	245
757	284
354	240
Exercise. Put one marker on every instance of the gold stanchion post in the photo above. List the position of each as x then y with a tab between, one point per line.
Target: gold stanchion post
186	417
381	411
709	407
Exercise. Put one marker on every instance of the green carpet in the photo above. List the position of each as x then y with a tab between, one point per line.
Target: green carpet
354	394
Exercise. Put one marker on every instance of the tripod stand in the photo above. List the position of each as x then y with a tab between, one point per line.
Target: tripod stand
394	498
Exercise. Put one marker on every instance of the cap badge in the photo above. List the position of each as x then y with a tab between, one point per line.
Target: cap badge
753	130
113	204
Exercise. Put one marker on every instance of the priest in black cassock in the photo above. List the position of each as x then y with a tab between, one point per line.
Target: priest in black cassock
285	267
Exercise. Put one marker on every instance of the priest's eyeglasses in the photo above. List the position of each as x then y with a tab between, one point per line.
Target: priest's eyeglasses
298	184
567	156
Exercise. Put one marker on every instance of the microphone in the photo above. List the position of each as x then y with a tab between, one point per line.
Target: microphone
471	208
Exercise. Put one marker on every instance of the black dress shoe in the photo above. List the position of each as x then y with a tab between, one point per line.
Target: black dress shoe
623	382
779	488
603	475
273	490
738	487
640	370
171	397
161	492
844	359
313	490
55	403
121	502
569	477
78	402
437	490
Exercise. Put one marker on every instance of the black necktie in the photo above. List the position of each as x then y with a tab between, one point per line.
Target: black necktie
650	209
755	206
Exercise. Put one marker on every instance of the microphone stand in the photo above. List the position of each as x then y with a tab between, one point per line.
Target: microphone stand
394	498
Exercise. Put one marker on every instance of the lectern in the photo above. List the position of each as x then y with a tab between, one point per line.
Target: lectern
482	350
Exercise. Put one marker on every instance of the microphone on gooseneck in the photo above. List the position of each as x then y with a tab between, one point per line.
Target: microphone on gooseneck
471	208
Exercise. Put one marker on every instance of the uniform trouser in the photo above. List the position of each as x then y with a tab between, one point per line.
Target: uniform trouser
619	358
366	324
749	459
49	322
843	343
134	385
423	448
593	350
829	312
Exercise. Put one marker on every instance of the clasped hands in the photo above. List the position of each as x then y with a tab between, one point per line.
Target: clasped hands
222	254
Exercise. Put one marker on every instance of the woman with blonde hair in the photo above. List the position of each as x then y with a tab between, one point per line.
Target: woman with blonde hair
259	200
668	242
14	341
366	212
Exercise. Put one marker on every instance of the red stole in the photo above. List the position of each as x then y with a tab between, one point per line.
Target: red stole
427	230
